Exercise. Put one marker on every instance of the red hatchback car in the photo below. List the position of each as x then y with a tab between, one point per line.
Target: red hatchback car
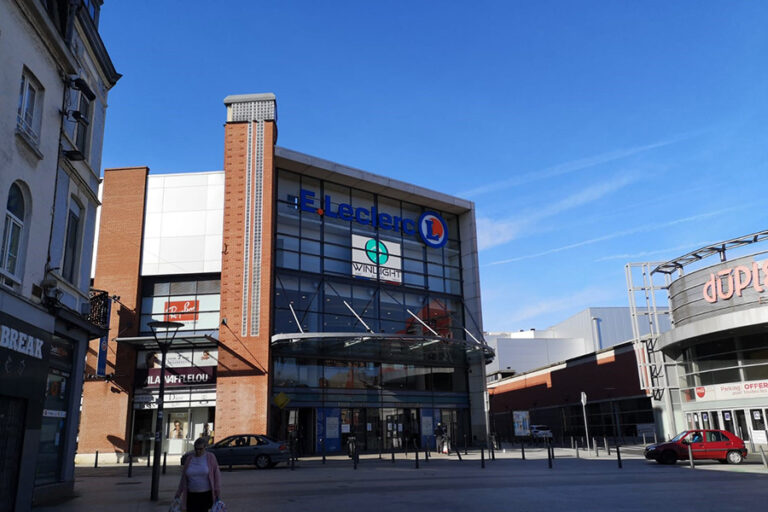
720	445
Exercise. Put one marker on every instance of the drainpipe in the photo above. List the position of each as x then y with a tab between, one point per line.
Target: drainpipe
597	342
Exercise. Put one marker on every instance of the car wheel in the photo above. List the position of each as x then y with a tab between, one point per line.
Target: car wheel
734	457
668	457
263	461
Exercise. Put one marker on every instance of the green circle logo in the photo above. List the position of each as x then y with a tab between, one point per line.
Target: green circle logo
376	252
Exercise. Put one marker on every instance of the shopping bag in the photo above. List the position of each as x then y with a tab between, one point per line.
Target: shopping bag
175	505
219	506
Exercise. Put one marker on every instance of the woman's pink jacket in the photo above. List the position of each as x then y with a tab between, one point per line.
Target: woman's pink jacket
214	477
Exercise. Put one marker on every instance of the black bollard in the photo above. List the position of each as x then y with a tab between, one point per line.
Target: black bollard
522	449
148	457
549	457
482	457
426	454
465	444
322	442
130	466
165	459
380	445
618	455
393	452
493	449
96	460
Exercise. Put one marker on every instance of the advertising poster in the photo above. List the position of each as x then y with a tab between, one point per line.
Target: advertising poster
521	421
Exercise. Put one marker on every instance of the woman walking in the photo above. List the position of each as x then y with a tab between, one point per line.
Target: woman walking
200	484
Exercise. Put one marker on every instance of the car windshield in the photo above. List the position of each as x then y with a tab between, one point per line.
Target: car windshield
679	436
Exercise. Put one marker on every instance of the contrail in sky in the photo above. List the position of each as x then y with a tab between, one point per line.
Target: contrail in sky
569	167
639	229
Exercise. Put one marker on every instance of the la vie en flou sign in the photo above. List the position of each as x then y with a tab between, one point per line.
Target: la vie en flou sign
430	225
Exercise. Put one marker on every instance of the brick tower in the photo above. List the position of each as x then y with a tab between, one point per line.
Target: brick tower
242	390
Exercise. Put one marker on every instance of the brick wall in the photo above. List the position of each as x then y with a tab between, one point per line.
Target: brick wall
606	378
242	389
105	420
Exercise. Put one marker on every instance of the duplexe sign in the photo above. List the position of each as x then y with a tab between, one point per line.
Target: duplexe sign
376	259
430	226
724	284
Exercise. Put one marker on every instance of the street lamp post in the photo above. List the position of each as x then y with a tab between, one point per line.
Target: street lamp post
169	329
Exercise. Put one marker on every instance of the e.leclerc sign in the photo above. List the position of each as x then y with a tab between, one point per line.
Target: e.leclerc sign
430	226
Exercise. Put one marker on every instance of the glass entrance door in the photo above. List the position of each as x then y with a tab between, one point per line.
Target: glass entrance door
758	425
742	427
728	423
713	416
353	425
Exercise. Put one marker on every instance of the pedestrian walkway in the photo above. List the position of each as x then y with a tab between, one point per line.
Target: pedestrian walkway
446	483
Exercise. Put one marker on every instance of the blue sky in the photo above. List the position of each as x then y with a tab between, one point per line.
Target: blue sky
589	134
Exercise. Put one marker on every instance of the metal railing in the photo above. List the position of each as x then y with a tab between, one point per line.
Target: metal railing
99	314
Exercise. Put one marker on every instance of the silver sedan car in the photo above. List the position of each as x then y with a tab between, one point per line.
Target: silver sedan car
246	449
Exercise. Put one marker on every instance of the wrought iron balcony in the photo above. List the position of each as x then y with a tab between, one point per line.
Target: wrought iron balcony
99	314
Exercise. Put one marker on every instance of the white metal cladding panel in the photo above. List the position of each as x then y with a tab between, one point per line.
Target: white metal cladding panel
180	230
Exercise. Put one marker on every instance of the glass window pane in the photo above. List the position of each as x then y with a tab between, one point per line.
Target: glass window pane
413	279
435	284
310	247
366	375
16	202
393	376
333	266
288	243
208	286
417	378
287	259
338	374
183	288
756	372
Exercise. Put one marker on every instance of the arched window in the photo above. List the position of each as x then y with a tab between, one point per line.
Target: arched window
13	229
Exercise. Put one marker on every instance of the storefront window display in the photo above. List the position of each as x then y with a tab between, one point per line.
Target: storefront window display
55	412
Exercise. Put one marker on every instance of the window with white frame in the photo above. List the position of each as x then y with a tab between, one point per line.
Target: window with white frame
30	107
13	231
72	242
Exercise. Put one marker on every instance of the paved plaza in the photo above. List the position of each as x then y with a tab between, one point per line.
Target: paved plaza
445	484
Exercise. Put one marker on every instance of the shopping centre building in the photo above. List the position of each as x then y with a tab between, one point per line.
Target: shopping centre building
710	370
315	300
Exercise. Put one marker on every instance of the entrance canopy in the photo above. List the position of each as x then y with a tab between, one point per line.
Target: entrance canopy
180	341
379	347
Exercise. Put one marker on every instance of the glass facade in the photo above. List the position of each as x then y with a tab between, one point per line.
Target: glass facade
192	300
724	360
314	265
350	261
